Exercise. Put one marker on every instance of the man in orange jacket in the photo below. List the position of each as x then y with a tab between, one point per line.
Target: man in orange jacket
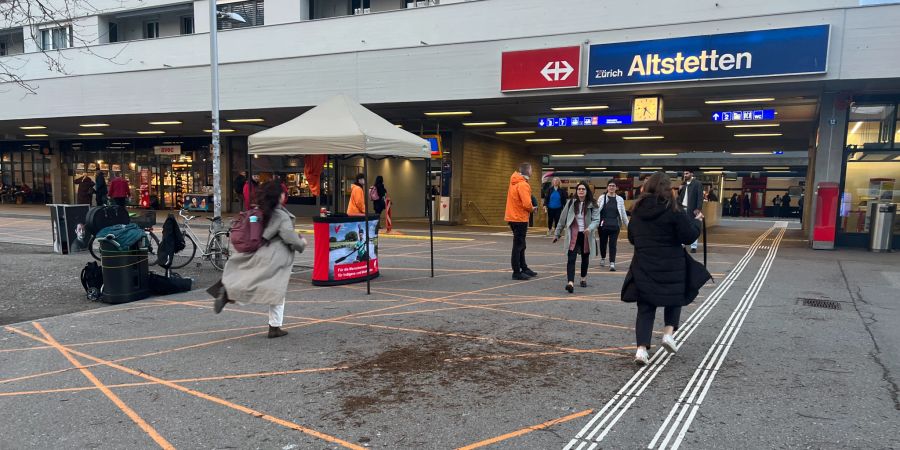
518	208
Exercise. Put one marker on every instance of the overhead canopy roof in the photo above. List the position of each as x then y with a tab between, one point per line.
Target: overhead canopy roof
339	126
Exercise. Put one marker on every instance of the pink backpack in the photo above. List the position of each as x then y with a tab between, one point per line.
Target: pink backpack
246	234
373	194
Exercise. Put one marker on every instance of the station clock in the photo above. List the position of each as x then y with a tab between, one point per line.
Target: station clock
647	109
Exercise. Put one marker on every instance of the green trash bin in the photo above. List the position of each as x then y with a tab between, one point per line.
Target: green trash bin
125	275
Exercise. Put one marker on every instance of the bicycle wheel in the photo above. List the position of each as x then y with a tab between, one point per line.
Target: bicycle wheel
218	250
154	244
94	247
186	255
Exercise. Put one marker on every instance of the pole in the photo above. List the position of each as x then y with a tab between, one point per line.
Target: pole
214	69
366	225
703	222
429	206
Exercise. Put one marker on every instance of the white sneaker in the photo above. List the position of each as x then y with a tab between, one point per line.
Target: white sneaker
668	342
602	262
612	267
641	358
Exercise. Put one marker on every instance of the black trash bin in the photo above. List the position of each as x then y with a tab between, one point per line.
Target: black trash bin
125	275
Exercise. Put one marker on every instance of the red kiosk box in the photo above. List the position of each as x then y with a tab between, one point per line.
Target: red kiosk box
824	223
341	255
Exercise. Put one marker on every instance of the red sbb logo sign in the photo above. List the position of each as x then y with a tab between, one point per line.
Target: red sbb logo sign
547	68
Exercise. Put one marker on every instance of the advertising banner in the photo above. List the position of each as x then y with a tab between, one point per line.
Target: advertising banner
784	51
67	222
341	255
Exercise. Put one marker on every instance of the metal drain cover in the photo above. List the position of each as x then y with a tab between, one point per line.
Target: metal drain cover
820	303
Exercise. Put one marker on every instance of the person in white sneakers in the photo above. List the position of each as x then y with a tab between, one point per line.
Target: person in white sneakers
612	219
662	273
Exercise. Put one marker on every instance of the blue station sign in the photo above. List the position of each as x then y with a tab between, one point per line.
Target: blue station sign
582	121
743	116
764	53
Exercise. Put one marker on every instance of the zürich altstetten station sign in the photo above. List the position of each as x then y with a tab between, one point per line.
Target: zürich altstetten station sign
762	53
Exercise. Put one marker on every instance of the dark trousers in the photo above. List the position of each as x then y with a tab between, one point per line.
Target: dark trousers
101	199
519	229
553	217
610	236
121	201
643	326
573	254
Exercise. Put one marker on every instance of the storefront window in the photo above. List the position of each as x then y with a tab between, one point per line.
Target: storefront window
870	126
871	178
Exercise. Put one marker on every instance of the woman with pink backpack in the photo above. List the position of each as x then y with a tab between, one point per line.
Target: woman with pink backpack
378	193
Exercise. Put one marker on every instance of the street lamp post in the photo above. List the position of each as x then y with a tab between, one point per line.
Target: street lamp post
214	15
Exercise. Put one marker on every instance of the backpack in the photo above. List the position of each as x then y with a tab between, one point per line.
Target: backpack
100	217
373	194
246	234
125	236
92	280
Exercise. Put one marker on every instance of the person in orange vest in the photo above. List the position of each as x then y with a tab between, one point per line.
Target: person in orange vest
519	207
357	205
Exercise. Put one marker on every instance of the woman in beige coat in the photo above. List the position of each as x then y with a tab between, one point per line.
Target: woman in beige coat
262	277
579	219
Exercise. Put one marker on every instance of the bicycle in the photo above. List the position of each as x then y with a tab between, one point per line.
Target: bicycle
216	250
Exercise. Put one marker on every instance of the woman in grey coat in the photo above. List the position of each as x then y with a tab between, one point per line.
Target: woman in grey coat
580	218
262	277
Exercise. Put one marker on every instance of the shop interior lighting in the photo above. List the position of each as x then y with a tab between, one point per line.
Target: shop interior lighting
36	135
659	154
740	100
498	123
254	120
167	122
778	171
713	172
624	130
398	125
514	132
90	134
776	168
448	113
758	134
221	130
595	168
579	108
751	153
544	140
549	168
651	168
634	138
569	155
758	125
33	127
711	168
94	125
151	132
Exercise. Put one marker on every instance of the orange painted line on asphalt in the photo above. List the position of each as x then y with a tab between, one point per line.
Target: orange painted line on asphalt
526	430
179	381
138	420
598	351
217	400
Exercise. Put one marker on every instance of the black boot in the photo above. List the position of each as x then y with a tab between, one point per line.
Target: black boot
276	332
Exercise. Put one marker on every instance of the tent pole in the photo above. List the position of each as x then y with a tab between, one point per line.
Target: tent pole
429	208
366	225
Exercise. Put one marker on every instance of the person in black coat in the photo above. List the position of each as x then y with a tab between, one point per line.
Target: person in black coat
690	197
380	204
101	189
662	273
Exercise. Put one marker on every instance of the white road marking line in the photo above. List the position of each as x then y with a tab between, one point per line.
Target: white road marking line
715	356
660	358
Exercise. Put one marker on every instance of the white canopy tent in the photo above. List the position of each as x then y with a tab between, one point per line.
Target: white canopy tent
342	127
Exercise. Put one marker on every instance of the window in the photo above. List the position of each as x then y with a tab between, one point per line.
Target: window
870	126
187	25
3	49
252	11
56	38
113	33
151	30
871	177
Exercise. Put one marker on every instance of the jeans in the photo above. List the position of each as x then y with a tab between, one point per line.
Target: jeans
519	229
553	218
691	217
643	327
610	236
573	254
121	201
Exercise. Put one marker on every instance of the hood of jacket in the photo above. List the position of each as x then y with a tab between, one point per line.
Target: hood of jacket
517	178
650	209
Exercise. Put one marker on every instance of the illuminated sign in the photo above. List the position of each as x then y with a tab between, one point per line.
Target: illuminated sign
582	121
743	116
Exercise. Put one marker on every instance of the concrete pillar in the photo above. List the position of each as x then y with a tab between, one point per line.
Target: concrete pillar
456	158
828	159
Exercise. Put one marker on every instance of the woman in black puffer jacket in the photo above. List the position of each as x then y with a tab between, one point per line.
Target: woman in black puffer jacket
661	274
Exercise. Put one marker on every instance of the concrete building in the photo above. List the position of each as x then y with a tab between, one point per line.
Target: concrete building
827	70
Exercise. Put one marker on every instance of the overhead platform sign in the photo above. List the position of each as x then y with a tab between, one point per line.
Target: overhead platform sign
546	68
763	53
743	116
582	121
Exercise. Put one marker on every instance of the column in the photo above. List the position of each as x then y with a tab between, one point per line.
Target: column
827	162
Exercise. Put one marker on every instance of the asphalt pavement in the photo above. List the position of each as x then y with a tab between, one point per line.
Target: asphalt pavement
470	358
